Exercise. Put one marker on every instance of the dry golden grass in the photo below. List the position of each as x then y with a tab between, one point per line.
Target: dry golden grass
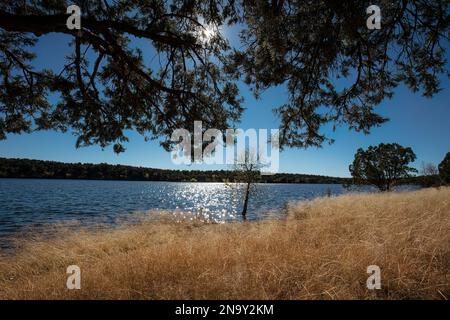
321	251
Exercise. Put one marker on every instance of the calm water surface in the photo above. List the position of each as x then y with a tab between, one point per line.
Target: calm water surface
28	203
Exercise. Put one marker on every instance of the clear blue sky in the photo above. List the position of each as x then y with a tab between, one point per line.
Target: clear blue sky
421	123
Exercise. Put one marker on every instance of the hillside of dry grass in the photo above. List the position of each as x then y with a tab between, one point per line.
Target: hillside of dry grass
320	251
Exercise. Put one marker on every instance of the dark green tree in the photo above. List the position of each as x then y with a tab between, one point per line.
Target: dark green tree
107	87
444	169
382	166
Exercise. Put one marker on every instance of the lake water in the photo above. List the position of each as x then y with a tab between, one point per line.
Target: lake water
28	203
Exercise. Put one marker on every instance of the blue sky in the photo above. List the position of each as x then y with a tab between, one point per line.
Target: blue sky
415	121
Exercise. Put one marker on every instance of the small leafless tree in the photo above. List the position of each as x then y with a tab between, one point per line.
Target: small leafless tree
430	175
247	172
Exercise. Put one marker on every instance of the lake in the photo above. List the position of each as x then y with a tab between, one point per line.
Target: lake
26	203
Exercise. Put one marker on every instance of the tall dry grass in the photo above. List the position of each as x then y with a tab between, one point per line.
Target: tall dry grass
321	251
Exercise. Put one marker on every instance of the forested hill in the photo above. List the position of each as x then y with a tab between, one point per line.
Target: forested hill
25	168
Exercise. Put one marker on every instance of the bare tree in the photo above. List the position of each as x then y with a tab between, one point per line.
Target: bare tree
247	172
430	175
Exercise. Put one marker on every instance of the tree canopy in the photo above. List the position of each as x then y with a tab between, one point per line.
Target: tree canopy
107	85
382	166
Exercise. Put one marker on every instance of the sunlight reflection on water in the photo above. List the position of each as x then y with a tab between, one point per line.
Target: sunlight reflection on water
27	202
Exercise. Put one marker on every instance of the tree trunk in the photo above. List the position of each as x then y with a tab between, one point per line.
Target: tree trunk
244	209
388	185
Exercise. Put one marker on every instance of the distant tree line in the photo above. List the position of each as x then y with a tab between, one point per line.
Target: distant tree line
431	175
38	169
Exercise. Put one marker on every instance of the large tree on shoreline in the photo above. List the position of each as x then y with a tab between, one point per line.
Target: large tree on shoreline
382	166
444	169
106	88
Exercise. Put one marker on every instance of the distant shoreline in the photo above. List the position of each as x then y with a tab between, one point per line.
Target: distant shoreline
162	181
53	170
15	168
